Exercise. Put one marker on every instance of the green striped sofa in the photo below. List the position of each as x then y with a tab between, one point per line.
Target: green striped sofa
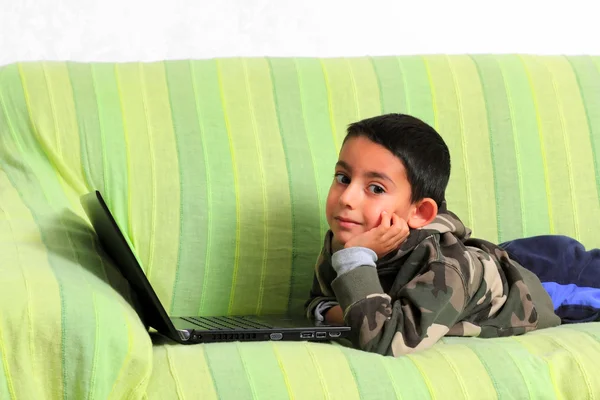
217	170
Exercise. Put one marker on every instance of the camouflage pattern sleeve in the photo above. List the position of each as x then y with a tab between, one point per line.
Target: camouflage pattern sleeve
321	290
422	313
316	297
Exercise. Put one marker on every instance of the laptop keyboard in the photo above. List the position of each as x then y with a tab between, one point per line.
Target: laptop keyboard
226	323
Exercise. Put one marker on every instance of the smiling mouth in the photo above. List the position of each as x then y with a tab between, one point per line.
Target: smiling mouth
346	222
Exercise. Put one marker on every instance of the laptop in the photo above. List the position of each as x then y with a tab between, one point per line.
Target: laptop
195	329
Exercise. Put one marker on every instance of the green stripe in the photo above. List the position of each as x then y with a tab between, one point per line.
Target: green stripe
534	362
174	377
221	200
505	167
277	267
315	118
306	221
391	84
5	392
145	228
93	151
371	376
8	148
195	212
512	370
65	237
165	187
54	113
32	152
505	375
353	92
161	388
250	183
557	167
536	371
476	147
53	195
69	242
88	122
589	329
448	124
342	95
262	370
419	92
11	145
113	141
587	77
151	149
332	367
577	147
527	147
228	371
304	377
412	385
572	342
365	83
108	328
139	166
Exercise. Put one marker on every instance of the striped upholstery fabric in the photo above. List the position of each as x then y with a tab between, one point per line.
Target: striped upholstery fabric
218	170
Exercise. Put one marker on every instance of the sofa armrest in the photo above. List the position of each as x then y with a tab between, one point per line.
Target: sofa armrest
67	329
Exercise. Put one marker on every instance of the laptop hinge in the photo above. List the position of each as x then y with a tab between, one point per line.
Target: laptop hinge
184	334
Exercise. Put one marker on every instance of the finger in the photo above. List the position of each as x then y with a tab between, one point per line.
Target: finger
403	227
399	231
387	231
385	220
396	226
402	235
396	221
402	224
404	232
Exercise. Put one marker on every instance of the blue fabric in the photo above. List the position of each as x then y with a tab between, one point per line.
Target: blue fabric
572	294
574	303
569	273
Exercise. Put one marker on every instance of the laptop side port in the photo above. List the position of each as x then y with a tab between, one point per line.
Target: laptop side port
335	334
321	335
307	335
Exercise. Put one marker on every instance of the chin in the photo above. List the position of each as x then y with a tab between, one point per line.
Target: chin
342	237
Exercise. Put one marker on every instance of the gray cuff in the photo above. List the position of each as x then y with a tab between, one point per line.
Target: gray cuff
346	260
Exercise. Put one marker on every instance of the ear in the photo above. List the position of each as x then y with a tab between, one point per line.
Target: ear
425	211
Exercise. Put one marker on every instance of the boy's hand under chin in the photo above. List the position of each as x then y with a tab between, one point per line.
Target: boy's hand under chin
387	236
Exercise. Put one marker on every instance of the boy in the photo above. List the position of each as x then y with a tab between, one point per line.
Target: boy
402	270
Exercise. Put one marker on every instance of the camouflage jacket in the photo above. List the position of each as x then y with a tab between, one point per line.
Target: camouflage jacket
439	282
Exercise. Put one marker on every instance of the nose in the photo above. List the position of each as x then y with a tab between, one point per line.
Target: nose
350	197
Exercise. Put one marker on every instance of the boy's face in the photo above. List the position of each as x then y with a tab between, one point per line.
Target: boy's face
368	180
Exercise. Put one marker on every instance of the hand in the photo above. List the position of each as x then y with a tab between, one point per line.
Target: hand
384	238
334	315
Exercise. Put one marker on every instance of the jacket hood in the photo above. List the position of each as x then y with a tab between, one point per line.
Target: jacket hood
445	222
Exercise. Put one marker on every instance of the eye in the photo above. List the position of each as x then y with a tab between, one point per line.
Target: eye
341	178
376	189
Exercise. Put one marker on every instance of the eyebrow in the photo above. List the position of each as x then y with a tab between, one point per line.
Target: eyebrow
370	174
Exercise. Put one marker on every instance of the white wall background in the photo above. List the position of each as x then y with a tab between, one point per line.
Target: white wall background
125	30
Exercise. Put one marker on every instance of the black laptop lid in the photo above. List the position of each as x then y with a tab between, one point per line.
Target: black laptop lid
119	250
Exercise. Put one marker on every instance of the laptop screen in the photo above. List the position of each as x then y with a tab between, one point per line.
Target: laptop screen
118	248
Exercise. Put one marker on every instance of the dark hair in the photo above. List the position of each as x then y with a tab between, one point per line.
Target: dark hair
420	148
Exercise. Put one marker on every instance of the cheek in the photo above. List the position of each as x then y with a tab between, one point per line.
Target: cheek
331	202
372	215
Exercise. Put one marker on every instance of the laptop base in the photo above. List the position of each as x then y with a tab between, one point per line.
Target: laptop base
255	328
